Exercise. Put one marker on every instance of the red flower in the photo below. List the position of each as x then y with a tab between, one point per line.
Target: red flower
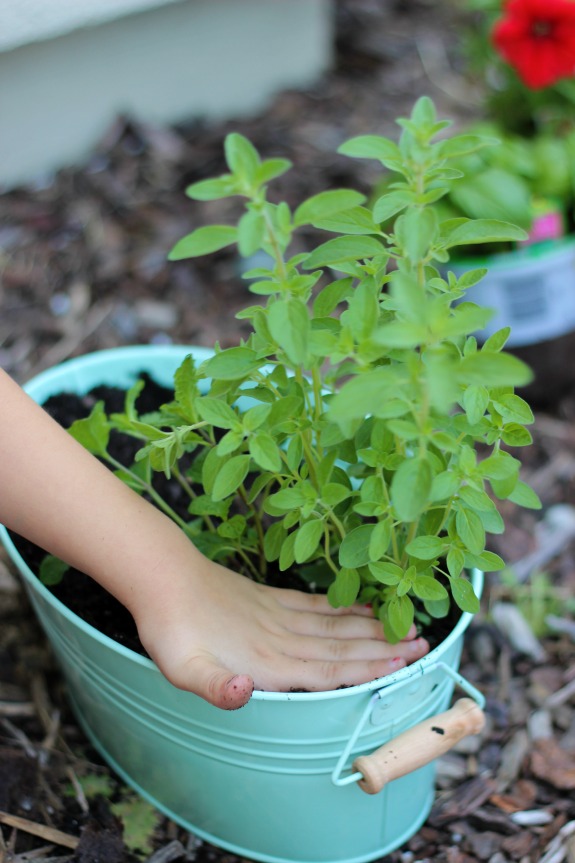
537	38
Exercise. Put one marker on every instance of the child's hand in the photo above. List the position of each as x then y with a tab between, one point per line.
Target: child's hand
221	635
209	630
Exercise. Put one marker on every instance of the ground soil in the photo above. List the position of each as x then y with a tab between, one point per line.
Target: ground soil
83	266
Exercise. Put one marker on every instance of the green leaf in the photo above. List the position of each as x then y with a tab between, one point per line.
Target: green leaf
52	570
218	413
361	395
231	364
333	493
131	398
290	327
487	561
345	589
210	468
141	429
251	231
404	429
410	488
140	820
502	488
476	499
265	452
463	145
270	169
233	528
307	539
491	520
283	410
358	220
494	369
253	418
331	296
204	505
371	147
242	157
211	190
186	388
470	530
203	241
428	588
514	409
495	193
326	204
286	558
475	402
471	277
425	548
497	340
230	476
516	435
444	486
401	334
445	442
342	249
294	454
523	495
230	442
390	204
419	230
480	231
379	540
354	548
500	466
386	573
464	595
437	608
93	432
465	319
455	561
400	612
273	541
406	582
288	498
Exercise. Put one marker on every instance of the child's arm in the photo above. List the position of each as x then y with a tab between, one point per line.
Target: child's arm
209	630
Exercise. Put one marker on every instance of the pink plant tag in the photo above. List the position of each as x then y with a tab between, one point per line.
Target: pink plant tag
547	226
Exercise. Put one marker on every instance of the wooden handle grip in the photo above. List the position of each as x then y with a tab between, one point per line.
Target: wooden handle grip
418	745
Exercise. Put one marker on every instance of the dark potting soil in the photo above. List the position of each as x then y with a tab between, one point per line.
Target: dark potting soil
78	591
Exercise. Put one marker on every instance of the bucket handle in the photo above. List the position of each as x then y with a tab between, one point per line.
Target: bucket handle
418	745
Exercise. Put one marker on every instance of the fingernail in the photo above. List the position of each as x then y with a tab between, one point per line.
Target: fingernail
415	645
397	661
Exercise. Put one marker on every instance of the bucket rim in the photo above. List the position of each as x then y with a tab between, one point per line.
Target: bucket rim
170	353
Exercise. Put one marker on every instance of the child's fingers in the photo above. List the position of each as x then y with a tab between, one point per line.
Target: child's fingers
319	676
343	650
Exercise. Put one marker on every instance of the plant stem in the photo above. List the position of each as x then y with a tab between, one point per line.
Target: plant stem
182	481
259	528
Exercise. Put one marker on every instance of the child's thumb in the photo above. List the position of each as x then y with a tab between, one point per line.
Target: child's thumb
214	683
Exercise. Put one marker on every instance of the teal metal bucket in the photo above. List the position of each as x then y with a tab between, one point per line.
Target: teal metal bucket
272	781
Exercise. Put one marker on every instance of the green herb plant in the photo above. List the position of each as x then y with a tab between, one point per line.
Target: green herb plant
340	440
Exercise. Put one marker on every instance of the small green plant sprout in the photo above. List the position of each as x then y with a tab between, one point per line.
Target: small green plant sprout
340	440
537	599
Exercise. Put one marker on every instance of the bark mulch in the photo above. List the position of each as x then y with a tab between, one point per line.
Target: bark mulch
83	265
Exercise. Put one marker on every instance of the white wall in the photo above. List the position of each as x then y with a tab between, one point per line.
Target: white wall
215	58
26	21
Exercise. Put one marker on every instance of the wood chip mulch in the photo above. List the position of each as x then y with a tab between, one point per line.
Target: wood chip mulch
83	266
